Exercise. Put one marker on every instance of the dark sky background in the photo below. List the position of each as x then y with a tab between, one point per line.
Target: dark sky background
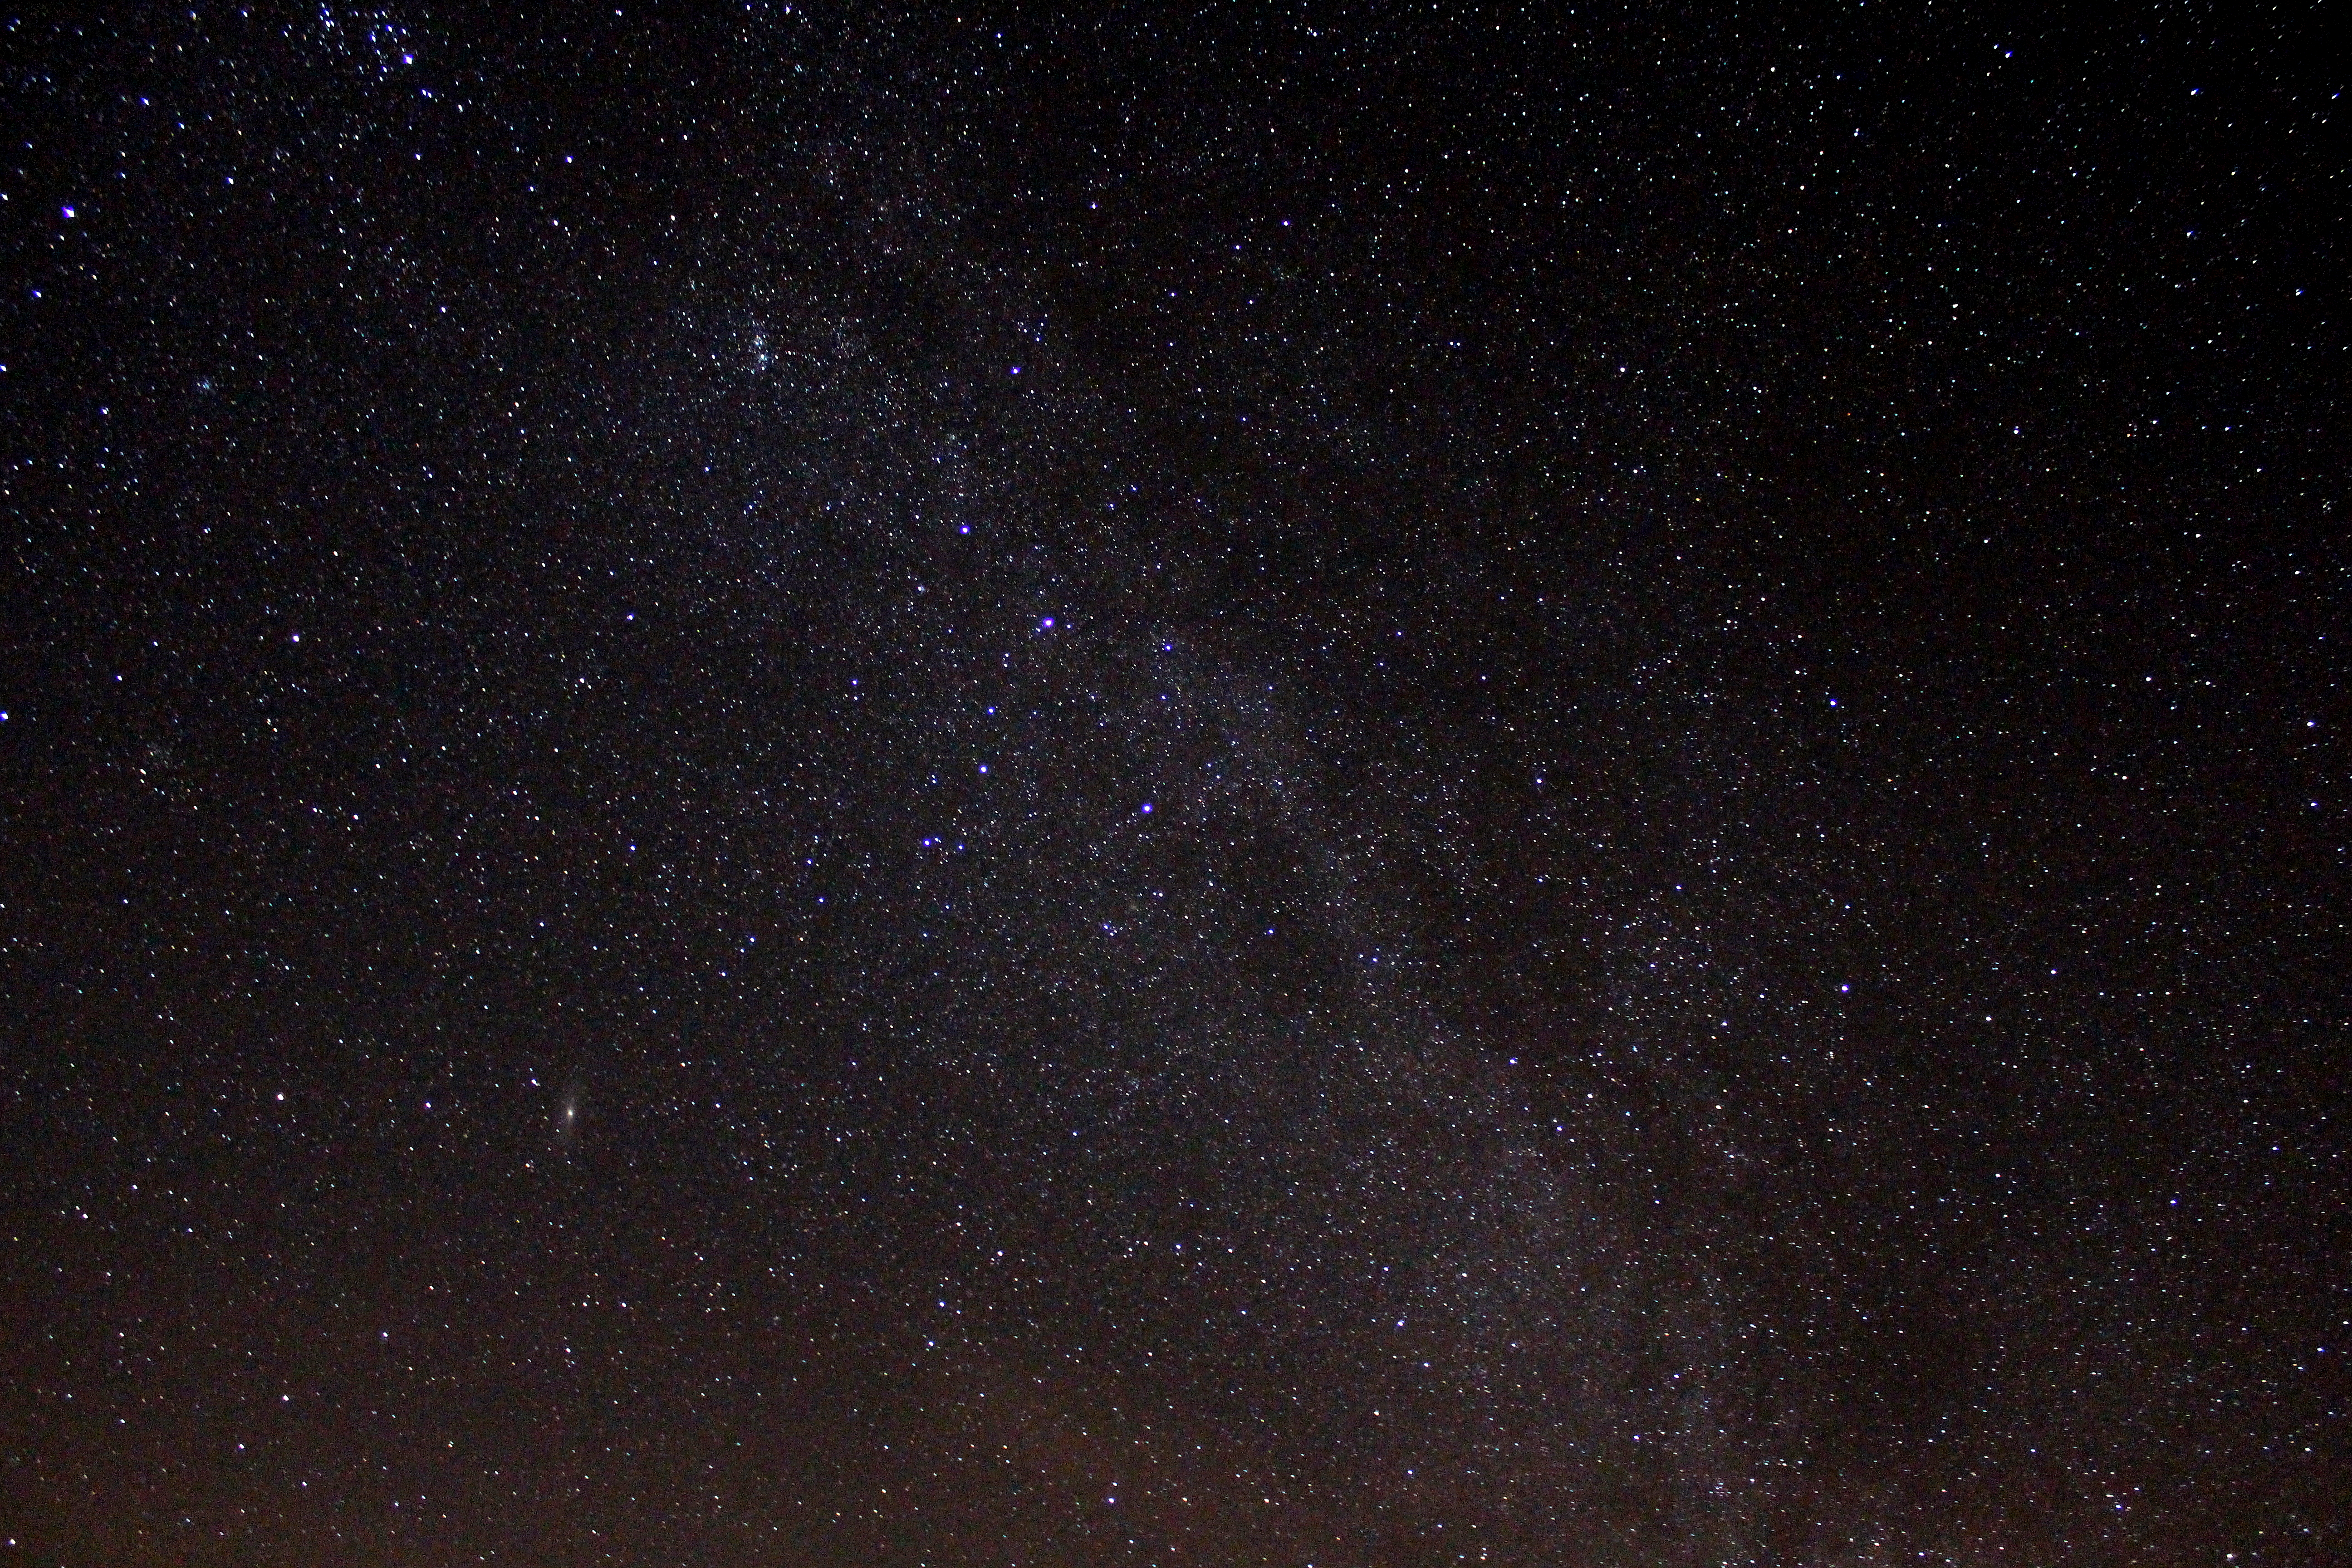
1277	784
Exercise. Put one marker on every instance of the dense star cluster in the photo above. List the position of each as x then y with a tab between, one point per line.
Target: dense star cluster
1337	787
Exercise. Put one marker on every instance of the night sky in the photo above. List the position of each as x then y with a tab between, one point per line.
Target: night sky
1252	785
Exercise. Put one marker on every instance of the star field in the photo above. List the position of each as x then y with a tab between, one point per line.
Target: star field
1328	786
